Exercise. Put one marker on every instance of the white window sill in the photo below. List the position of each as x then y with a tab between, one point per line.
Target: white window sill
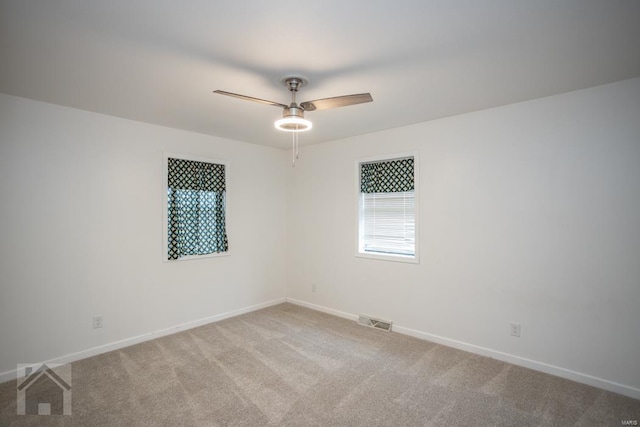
389	257
195	257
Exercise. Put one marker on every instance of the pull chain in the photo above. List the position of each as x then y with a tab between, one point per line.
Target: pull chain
295	147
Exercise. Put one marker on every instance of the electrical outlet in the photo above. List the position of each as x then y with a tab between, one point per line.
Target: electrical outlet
97	322
515	329
313	287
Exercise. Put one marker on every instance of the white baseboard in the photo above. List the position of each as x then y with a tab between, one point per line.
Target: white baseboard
626	390
68	358
322	309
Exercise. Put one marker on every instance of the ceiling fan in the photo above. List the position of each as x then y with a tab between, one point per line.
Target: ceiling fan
293	114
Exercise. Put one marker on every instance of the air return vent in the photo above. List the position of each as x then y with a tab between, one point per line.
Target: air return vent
372	322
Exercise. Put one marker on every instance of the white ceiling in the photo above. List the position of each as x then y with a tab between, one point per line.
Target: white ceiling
158	61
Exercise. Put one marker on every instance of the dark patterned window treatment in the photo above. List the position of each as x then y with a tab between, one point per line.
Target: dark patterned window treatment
196	208
388	176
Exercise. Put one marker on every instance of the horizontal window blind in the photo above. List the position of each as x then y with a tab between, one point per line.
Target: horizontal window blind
389	223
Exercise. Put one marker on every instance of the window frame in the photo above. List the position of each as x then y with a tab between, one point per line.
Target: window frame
165	211
359	252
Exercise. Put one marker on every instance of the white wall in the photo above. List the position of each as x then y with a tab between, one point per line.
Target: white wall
81	231
530	213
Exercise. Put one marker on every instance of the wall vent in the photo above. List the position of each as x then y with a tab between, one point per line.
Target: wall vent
372	322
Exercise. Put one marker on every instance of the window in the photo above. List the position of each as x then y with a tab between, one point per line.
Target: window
387	208
195	207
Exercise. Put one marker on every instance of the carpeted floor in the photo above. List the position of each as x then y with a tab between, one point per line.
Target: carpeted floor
290	366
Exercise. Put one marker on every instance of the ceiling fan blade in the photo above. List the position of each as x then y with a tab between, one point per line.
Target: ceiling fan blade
337	101
250	98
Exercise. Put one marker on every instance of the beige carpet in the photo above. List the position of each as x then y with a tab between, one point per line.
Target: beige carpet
287	365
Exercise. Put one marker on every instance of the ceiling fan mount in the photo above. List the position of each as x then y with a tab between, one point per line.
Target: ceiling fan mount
293	82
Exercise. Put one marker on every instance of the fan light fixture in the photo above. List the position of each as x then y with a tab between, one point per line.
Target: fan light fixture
293	120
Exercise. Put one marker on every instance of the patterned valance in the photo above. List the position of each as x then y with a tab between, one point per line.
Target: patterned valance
192	175
387	176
